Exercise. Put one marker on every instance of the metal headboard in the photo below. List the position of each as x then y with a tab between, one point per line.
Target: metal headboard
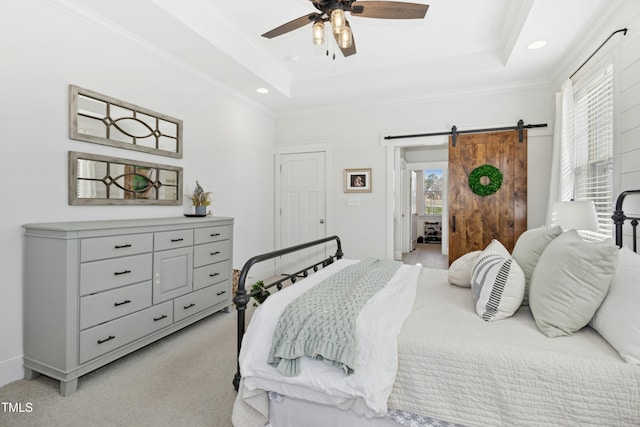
619	218
242	298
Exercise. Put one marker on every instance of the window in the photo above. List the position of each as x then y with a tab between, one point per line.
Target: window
593	150
433	183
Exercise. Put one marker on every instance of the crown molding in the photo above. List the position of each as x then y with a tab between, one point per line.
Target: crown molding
78	11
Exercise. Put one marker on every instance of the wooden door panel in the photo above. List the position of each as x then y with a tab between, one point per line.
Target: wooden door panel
476	220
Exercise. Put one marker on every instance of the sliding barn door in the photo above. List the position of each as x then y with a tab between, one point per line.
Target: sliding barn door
474	220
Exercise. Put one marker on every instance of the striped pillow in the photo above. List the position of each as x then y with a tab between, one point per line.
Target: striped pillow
497	283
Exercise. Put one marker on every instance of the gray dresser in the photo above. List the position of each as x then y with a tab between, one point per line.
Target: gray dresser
97	290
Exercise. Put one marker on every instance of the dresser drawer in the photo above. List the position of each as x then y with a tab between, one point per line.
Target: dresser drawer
172	239
211	252
99	308
212	234
210	274
98	276
199	300
115	246
109	336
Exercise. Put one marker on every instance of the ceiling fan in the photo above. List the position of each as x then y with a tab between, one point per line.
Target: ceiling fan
333	11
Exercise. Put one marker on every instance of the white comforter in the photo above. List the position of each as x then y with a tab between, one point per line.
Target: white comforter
454	366
378	327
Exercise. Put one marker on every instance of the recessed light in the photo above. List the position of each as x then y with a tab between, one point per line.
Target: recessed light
537	45
262	90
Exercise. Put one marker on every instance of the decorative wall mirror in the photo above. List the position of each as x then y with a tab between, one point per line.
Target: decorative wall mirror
98	118
102	180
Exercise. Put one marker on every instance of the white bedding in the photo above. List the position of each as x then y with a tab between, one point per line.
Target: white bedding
378	327
454	366
507	372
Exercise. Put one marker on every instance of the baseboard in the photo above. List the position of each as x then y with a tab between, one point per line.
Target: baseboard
11	370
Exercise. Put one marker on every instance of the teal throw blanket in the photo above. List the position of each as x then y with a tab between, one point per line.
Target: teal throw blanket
321	323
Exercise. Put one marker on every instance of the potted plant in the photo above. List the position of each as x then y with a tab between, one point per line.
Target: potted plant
262	295
200	199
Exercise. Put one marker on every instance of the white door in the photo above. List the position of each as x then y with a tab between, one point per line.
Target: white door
302	205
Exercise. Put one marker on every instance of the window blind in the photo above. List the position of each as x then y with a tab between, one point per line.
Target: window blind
593	150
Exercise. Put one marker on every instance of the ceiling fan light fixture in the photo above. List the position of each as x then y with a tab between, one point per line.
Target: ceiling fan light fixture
345	38
338	21
318	33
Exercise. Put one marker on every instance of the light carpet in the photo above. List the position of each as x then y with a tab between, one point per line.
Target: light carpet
184	379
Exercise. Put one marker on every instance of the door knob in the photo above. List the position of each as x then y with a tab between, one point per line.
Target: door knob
321	221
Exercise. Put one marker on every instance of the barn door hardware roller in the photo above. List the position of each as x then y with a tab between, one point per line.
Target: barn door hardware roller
520	127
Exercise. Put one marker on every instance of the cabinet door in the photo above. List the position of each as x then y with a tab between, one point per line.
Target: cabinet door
172	273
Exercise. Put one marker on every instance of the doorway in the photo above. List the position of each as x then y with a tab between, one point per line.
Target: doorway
404	157
393	162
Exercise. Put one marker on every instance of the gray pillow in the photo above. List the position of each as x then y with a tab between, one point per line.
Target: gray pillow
570	282
528	249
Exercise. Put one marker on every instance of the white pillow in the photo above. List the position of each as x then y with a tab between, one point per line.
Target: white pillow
618	318
460	269
497	283
570	282
528	249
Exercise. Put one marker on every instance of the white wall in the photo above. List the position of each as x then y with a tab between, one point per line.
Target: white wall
228	143
357	138
628	128
625	51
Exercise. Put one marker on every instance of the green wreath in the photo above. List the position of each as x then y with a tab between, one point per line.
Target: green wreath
492	173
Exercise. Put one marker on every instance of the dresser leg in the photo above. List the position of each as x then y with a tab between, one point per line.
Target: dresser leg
30	374
68	387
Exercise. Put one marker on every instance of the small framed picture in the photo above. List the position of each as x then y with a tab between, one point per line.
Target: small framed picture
357	180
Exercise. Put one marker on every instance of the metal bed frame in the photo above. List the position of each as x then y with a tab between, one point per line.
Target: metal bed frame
619	218
242	298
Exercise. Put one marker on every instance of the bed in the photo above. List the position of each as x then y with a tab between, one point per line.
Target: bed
435	354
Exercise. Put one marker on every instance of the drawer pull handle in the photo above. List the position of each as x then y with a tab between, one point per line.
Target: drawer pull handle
106	339
221	292
118	273
117	304
214	274
177	240
123	246
214	253
186	307
215	234
155	319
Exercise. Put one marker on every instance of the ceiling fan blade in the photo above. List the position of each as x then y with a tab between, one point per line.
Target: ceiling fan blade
389	9
291	25
347	51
